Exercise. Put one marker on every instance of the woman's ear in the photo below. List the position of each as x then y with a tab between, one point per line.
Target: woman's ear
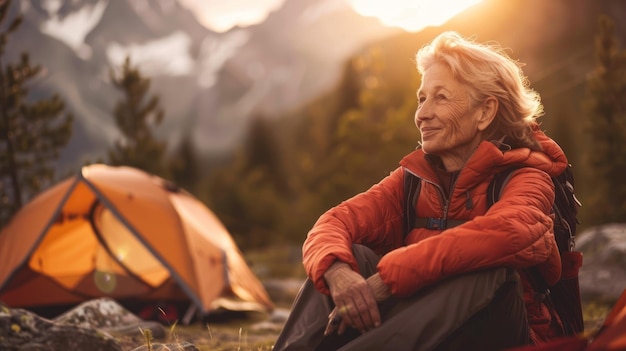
488	113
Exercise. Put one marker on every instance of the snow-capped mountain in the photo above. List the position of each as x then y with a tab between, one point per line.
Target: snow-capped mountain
210	84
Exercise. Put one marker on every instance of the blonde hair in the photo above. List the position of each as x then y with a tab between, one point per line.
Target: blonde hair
488	71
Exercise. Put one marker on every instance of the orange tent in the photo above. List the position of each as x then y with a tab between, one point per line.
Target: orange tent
119	232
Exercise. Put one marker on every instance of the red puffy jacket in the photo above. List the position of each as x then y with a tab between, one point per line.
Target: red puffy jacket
516	232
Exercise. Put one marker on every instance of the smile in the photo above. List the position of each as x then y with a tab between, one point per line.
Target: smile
428	132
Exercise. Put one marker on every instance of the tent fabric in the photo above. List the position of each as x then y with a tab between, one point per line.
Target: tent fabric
122	233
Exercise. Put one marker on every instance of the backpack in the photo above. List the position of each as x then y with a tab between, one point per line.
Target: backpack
563	297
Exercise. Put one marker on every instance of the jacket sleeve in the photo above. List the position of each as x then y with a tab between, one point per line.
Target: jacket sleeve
372	218
515	232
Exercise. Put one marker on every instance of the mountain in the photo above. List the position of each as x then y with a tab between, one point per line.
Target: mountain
210	84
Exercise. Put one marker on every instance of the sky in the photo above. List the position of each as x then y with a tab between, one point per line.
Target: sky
411	15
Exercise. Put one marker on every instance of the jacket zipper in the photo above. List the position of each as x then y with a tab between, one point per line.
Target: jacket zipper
445	200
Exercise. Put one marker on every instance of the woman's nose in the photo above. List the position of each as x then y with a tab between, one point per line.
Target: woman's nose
422	113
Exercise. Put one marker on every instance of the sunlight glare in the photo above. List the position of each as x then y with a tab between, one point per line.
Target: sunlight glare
411	15
221	16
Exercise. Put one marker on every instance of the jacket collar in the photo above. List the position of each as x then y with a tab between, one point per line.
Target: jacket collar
494	156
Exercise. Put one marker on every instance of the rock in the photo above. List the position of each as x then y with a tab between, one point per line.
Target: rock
21	330
96	325
107	315
603	274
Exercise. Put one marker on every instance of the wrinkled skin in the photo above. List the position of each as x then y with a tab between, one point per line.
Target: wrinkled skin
354	299
450	122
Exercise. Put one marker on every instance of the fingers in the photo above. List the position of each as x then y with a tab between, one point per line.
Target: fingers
370	315
355	301
334	319
357	312
358	317
336	322
362	310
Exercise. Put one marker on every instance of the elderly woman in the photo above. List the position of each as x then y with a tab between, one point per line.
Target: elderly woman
457	278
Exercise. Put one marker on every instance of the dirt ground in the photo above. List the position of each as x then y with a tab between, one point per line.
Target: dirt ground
243	335
252	331
259	332
282	274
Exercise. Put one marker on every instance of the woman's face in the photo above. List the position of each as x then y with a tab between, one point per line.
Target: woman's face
449	123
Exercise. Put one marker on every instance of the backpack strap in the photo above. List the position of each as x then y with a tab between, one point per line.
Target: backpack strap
412	187
437	223
500	179
493	195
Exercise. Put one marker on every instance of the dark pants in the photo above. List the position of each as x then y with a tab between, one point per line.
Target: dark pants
476	311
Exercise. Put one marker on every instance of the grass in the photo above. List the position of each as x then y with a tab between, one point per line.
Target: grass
225	337
594	314
147	334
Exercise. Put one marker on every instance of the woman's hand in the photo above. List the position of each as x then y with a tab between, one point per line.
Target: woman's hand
356	304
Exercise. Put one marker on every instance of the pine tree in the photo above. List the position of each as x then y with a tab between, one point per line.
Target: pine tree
263	153
606	108
370	137
31	133
136	117
184	166
250	195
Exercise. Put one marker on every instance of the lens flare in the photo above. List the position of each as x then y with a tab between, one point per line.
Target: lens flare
105	281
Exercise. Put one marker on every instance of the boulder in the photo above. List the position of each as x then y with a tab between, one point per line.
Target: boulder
603	274
21	330
107	315
98	325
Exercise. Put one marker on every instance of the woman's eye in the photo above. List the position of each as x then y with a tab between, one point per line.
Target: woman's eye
441	97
